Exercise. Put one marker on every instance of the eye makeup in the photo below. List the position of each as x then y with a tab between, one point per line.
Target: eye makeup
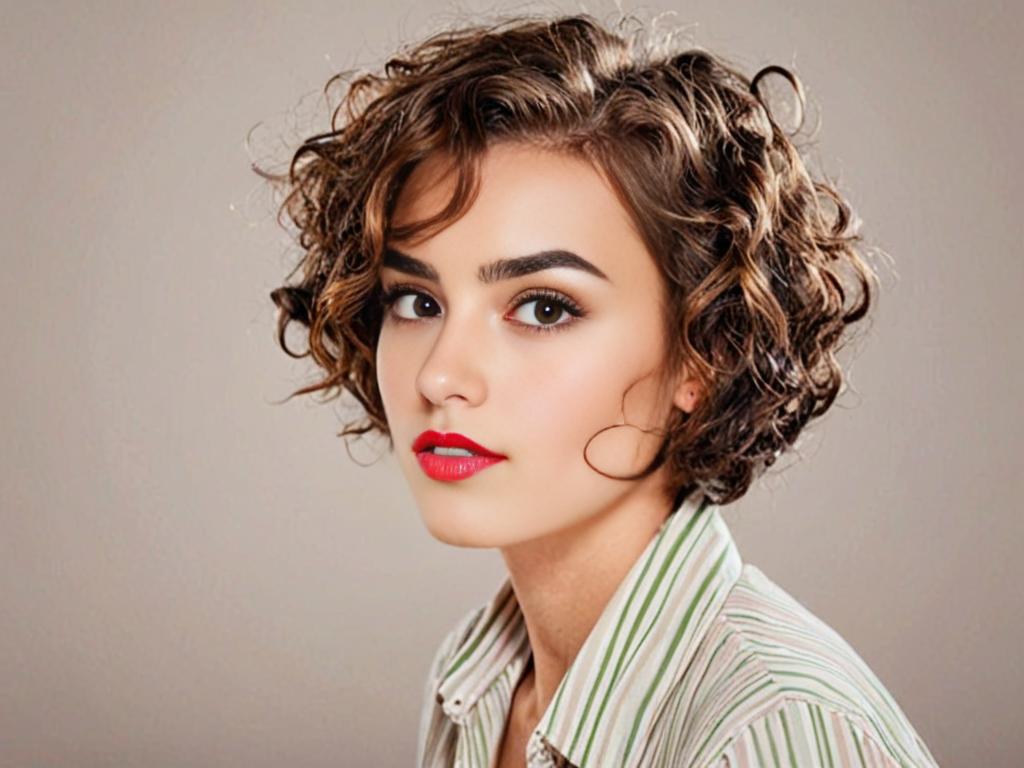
391	294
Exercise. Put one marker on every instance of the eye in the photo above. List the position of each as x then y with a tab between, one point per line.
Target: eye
406	297
548	307
407	304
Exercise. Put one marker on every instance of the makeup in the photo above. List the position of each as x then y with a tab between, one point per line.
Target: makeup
451	456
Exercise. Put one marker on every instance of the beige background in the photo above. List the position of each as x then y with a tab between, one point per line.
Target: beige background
195	575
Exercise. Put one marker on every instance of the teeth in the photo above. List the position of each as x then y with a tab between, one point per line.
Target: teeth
443	451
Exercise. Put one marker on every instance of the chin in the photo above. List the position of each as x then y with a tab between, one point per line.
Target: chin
453	526
459	536
473	526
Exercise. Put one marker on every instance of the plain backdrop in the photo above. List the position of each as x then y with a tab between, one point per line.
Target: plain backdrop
194	574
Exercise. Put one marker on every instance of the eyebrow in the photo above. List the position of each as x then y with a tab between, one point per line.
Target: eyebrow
502	269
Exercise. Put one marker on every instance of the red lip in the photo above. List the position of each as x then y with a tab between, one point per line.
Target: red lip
452	468
431	438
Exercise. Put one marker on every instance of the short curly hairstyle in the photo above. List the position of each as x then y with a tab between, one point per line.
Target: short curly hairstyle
753	250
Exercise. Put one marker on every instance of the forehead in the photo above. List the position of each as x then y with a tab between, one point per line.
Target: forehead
529	199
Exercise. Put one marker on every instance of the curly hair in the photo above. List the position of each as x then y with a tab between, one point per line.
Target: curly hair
753	250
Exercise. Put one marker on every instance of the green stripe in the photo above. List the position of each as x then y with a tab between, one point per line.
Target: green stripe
771	743
558	699
732	707
789	741
819	736
757	747
664	566
856	742
671	649
480	635
667	599
824	730
622	617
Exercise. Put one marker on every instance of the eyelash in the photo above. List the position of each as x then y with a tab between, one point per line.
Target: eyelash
390	295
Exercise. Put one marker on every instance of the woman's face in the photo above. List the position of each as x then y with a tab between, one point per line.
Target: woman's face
475	351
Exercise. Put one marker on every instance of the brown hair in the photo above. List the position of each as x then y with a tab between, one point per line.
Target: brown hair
753	250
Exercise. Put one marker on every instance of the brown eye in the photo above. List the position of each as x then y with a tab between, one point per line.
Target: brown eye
402	300
548	308
406	304
545	311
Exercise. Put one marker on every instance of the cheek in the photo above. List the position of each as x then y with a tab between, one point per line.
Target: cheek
561	400
393	370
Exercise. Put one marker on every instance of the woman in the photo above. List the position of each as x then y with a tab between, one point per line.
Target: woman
589	290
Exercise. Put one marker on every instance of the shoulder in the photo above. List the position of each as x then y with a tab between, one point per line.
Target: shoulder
803	732
778	683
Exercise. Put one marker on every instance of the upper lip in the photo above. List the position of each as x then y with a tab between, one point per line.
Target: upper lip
431	438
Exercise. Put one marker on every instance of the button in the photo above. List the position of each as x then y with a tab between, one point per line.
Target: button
537	753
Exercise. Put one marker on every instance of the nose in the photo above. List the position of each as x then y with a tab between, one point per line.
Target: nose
454	367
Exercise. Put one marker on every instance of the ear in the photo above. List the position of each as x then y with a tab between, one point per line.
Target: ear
688	393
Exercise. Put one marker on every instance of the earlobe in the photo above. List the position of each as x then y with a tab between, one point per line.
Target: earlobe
687	394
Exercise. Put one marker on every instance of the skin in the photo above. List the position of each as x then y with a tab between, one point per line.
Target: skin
467	360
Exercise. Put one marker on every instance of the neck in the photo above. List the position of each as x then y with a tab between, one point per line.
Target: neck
565	580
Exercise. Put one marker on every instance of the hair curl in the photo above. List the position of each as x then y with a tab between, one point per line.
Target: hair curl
751	255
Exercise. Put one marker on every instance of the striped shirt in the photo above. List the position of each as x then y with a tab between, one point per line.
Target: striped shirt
698	659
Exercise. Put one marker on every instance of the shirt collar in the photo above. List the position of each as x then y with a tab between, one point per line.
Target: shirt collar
633	658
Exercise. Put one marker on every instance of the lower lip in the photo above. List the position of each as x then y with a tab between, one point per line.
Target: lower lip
450	468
